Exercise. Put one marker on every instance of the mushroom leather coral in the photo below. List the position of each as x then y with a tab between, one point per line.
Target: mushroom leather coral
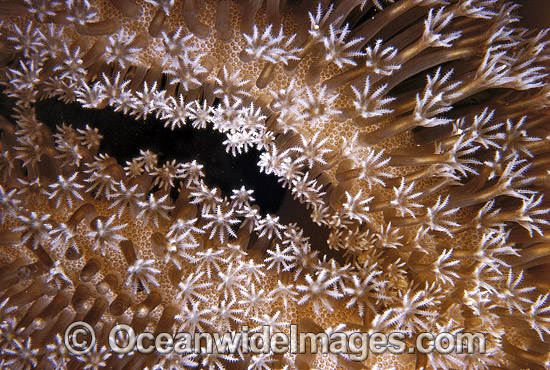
416	132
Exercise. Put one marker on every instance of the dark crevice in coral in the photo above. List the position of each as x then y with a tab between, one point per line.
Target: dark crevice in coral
124	137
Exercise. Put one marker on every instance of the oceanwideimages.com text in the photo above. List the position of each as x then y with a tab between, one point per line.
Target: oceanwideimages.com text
80	338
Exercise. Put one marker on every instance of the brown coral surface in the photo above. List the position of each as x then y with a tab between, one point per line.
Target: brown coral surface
415	132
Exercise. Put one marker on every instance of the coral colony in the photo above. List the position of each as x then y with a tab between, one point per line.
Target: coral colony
416	132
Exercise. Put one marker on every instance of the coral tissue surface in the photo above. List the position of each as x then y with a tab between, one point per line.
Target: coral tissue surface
416	132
